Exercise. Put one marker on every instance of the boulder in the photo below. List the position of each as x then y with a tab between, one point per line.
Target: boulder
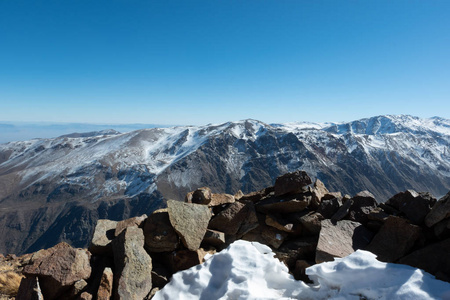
219	199
415	206
229	220
343	211
58	268
434	259
279	223
311	223
202	196
291	183
272	236
299	270
103	235
256	196
136	221
133	266
394	240
328	207
341	239
185	259
439	212
159	233
363	204
105	289
190	221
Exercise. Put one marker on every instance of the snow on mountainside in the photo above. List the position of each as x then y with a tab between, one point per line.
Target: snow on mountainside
114	175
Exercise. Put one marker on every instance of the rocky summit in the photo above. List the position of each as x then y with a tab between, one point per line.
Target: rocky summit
134	258
55	190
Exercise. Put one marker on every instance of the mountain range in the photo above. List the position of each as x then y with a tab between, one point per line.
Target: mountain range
54	190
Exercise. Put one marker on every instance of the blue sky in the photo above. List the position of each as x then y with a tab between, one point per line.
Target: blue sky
199	62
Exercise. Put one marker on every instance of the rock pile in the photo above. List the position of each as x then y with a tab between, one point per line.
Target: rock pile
302	222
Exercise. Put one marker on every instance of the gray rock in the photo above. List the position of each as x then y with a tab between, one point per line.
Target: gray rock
190	221
133	273
159	233
439	212
103	235
394	240
341	239
291	183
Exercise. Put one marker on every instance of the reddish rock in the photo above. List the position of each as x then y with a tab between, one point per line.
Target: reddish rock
291	183
230	219
136	221
105	290
272	236
190	221
341	239
159	233
103	235
394	240
311	223
317	194
279	223
58	268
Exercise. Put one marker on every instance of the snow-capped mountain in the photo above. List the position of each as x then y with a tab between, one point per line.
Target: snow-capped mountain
50	189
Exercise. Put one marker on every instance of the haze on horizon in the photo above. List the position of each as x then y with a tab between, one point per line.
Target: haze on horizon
178	62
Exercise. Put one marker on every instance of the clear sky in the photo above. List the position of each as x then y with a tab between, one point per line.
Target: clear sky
199	62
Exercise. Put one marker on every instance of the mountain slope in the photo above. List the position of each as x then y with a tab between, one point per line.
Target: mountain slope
61	185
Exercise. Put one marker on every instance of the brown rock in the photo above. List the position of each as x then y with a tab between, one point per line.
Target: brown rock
394	240
58	268
434	259
219	199
103	235
415	206
343	211
363	204
230	219
29	289
341	239
85	296
214	238
190	221
159	233
202	196
439	212
185	259
279	223
105	290
328	207
133	273
273	237
317	194
311	223
239	194
291	183
136	221
299	271
188	198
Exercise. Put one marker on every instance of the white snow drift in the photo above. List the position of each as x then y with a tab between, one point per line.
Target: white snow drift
248	270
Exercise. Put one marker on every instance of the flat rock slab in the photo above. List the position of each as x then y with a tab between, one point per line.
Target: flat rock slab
133	273
394	240
341	239
159	233
190	221
229	220
283	204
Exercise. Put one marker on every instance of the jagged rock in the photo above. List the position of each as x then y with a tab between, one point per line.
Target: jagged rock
317	194
341	239
29	289
299	271
434	259
103	235
378	214
229	220
299	248
159	233
58	268
188	198
415	206
133	266
214	238
85	296
256	196
105	289
328	207
78	287
185	259
342	211
152	293
394	240
291	183
363	203
160	279
138	221
190	221
238	195
279	223
442	229
219	199
439	212
332	195
284	204
202	196
311	223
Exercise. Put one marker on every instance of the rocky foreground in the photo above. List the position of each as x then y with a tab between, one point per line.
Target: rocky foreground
303	223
